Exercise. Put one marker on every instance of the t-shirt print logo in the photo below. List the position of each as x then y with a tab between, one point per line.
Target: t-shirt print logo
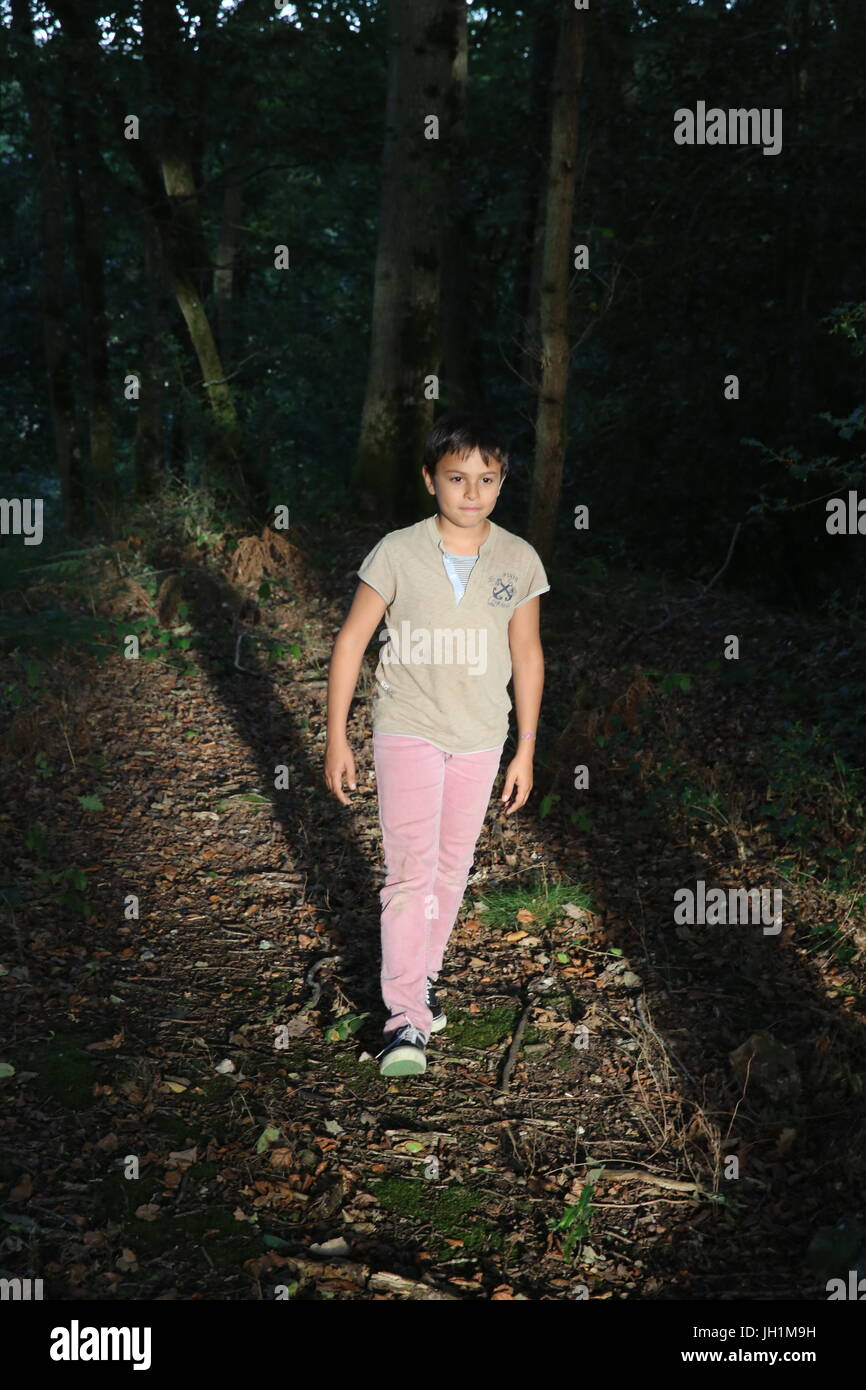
503	590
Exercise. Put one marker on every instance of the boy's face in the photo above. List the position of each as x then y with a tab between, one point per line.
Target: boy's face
465	488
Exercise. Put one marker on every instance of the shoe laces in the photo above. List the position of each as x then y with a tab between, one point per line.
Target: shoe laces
407	1033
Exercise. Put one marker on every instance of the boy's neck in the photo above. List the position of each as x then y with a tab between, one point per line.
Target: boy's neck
462	540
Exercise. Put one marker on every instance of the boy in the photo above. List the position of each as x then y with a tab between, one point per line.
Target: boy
461	596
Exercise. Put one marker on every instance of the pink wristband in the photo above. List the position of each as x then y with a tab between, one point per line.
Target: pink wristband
527	736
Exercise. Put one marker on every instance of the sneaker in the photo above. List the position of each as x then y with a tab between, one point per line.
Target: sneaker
404	1053
439	1016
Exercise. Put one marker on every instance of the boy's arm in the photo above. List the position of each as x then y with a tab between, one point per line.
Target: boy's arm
368	608
527	665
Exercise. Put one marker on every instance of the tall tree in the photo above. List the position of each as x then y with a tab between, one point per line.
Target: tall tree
531	235
175	145
55	315
461	347
224	277
556	263
87	199
149	453
406	341
165	157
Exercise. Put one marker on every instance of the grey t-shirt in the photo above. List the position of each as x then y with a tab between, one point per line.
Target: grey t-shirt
445	663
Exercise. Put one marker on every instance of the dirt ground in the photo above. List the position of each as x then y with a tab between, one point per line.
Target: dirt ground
621	1106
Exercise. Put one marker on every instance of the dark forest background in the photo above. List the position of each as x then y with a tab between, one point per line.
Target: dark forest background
237	283
155	257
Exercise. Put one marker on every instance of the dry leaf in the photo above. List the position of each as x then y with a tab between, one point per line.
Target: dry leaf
23	1190
116	1041
297	1026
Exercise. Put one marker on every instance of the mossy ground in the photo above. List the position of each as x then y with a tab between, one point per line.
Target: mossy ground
486	1029
65	1072
364	1077
451	1211
175	1233
179	1130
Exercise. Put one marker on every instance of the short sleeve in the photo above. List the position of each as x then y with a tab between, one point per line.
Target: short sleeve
377	570
535	581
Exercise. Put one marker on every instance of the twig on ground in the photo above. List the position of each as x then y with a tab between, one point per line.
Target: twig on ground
317	988
666	1046
514	1049
638	1175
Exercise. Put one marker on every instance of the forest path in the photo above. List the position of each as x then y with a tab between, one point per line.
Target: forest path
150	1031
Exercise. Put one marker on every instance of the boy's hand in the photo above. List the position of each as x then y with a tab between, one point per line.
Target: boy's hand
339	767
518	780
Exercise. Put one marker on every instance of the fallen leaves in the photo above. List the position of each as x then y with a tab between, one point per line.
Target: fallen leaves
111	1043
22	1190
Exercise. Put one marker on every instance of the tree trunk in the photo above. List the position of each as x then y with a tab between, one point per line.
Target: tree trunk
798	242
556	270
165	167
405	345
86	198
227	246
185	253
55	316
149	445
462	376
531	239
181	235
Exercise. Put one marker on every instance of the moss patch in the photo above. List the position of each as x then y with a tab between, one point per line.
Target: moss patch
365	1077
228	1243
487	1029
293	1059
562	1003
116	1197
452	1211
177	1128
218	1088
280	989
204	1172
65	1071
574	1063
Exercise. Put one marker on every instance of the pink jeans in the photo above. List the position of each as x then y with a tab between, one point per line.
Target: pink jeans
431	810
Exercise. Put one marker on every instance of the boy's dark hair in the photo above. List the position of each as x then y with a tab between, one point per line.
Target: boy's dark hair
460	432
